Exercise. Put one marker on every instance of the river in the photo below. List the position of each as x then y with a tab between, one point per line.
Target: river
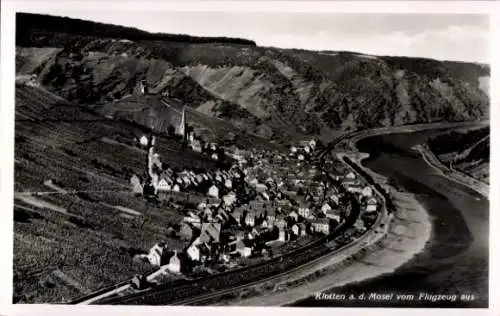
455	259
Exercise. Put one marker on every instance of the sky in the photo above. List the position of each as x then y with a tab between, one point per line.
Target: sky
463	37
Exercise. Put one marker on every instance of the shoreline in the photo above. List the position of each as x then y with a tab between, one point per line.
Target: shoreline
408	234
454	175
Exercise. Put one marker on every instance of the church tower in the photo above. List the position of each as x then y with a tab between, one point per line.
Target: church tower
182	125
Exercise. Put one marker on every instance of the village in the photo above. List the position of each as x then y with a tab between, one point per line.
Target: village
250	212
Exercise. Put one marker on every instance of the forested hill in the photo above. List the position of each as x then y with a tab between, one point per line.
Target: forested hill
28	24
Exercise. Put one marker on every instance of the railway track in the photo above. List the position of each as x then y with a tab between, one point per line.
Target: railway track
195	290
359	243
315	250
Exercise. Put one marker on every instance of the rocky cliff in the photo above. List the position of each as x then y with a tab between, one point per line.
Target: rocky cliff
275	93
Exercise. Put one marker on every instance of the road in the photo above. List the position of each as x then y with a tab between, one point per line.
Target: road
369	237
193	300
356	245
453	175
281	298
455	258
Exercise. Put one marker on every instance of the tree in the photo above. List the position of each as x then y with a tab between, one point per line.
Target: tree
393	182
300	192
171	130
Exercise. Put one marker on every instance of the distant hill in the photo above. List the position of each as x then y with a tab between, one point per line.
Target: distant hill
278	94
29	24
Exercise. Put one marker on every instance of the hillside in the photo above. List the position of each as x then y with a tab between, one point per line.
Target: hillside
76	241
278	94
468	152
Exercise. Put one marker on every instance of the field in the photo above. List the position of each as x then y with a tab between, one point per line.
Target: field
80	231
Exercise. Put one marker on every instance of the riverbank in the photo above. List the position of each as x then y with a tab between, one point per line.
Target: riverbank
402	236
455	259
454	175
409	231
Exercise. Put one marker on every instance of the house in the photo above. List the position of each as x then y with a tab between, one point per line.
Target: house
237	215
201	205
371	208
174	265
367	191
265	224
250	235
299	229
144	140
293	214
354	187
260	187
304	211
360	224
238	246
164	186
326	207
321	225
293	149
280	221
198	251
210	232
193	253
157	254
334	198
196	145
333	214
270	216
250	219
253	182
213	191
228	183
316	213
229	198
214	156
207	213
199	178
186	180
301	157
283	234
136	184
350	176
176	188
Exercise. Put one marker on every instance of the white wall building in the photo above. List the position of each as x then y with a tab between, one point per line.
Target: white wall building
213	191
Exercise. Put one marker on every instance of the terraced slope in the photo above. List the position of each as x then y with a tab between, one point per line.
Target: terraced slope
83	235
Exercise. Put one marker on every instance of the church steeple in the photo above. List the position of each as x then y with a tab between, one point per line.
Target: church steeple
182	124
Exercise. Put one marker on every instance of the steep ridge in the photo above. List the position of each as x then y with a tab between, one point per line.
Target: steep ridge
278	94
